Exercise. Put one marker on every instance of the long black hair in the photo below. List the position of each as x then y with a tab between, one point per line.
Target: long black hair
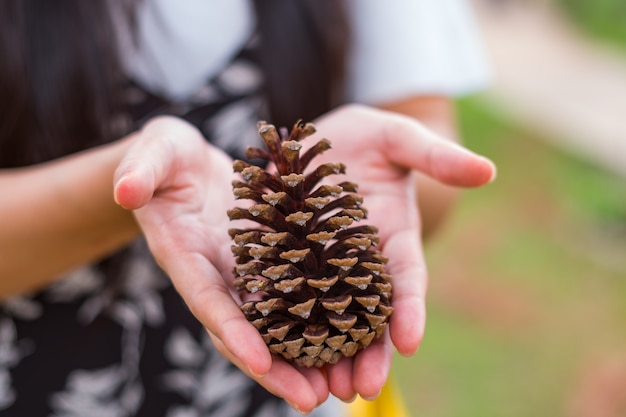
57	76
60	74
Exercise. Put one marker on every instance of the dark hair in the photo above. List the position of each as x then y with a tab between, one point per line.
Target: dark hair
60	73
56	79
302	53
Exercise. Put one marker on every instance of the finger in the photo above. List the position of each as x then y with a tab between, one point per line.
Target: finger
202	287
317	378
408	269
408	143
371	368
302	390
340	379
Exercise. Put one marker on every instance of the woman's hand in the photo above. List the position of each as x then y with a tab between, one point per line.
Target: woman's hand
179	188
381	150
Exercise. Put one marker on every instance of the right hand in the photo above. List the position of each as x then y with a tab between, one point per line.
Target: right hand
179	188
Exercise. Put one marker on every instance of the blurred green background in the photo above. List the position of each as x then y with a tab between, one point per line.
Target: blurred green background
602	19
527	293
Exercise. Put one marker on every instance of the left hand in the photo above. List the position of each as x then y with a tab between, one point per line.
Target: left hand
381	150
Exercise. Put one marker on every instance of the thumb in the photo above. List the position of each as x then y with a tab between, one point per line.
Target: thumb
140	173
134	188
148	162
411	145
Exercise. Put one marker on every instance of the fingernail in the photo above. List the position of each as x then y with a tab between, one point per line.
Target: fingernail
372	398
351	400
295	407
117	183
494	172
254	374
122	177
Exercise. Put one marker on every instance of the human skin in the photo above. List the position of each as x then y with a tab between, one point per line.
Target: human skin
167	183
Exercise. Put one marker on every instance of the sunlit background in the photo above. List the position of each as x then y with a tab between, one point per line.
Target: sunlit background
527	298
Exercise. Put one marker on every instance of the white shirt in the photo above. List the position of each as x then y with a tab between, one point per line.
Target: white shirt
400	47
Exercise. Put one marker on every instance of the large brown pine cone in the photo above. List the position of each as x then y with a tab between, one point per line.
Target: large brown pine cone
324	292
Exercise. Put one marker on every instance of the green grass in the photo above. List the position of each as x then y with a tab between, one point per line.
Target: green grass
528	283
602	19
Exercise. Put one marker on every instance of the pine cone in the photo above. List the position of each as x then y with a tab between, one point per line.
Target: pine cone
324	290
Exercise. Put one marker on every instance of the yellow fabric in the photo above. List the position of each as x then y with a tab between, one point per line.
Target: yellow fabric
388	404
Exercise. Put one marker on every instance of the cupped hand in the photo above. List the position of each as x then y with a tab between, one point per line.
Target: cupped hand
381	150
179	188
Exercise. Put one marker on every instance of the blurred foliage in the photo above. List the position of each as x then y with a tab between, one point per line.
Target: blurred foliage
602	19
581	185
527	284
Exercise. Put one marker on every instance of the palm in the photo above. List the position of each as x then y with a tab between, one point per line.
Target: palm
387	189
188	216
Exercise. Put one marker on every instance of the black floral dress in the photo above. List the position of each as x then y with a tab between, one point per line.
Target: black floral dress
115	339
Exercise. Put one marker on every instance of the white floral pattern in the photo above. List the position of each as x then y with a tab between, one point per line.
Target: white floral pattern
11	352
199	381
99	392
210	385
